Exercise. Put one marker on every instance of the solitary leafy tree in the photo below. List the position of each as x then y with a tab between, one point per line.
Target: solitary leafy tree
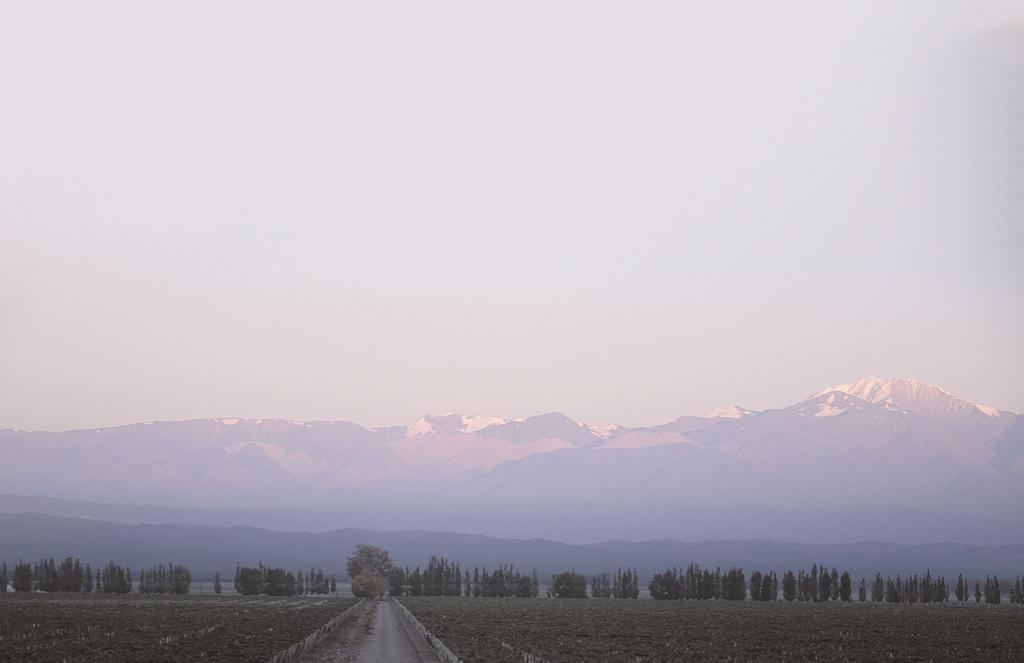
365	566
368	583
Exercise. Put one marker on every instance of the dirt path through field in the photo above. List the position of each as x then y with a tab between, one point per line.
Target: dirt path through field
379	632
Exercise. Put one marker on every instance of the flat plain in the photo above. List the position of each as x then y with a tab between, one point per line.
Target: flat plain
483	630
155	628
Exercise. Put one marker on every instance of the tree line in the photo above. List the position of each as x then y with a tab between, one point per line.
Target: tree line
700	584
573	585
912	589
170	579
504	581
68	575
819	585
373	573
276	581
623	585
71	575
445	578
440	578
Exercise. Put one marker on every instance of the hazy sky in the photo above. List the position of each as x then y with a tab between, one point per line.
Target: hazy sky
622	211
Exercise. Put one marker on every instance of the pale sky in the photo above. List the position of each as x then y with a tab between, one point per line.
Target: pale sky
622	211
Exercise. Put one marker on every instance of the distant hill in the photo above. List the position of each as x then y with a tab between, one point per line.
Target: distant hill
579	523
207	549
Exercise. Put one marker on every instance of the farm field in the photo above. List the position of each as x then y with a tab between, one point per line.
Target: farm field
139	627
488	630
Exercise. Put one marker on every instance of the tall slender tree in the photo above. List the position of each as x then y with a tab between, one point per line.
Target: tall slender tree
877	589
788	586
22	577
845	587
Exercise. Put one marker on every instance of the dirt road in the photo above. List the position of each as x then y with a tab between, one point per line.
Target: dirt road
378	633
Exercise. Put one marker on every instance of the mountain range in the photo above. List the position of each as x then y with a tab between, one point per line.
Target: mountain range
896	446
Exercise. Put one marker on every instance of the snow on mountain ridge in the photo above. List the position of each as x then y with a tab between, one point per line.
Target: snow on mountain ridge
829	407
911	395
472	424
603	431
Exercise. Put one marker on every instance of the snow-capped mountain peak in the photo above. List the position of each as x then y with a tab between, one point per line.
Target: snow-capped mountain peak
728	412
451	424
911	395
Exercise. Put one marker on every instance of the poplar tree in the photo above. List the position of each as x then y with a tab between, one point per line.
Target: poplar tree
87	579
601	586
877	589
788	586
993	593
845	587
22	578
824	585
